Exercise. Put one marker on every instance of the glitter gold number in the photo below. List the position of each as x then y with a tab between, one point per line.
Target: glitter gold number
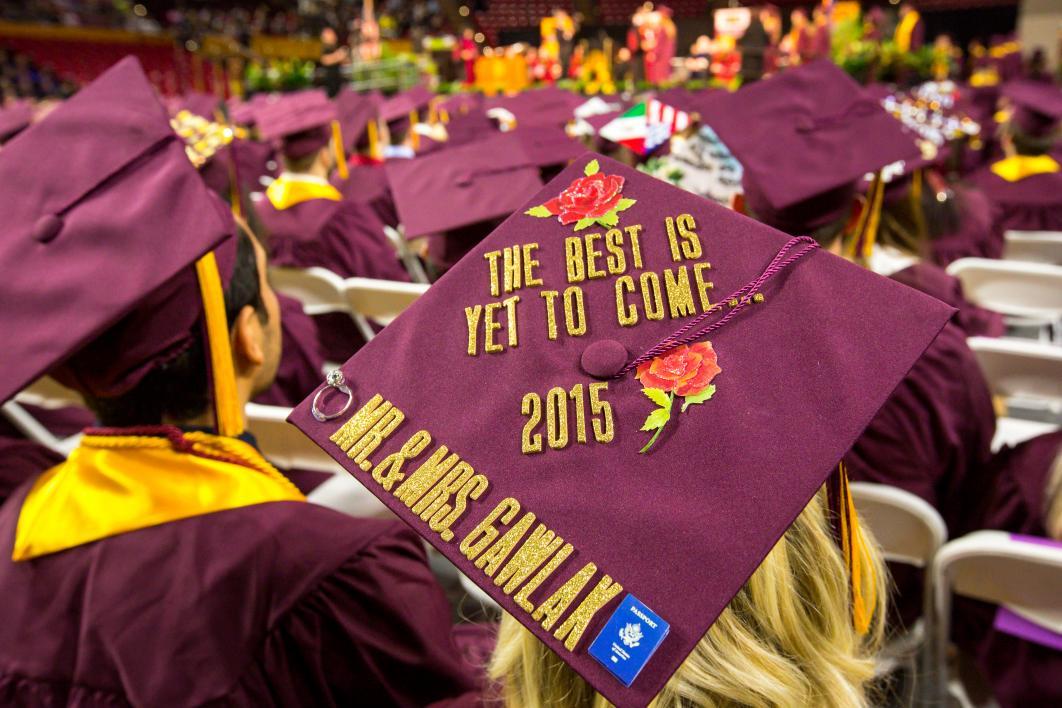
604	430
557	418
579	401
531	406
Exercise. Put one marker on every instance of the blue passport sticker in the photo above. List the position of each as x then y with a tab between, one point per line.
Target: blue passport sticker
629	639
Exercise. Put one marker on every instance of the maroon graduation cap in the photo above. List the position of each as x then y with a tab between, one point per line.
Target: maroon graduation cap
463	185
113	245
14	119
301	122
1037	106
356	111
610	411
546	106
806	137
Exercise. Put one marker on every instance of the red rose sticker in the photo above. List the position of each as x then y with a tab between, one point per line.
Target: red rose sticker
685	371
595	198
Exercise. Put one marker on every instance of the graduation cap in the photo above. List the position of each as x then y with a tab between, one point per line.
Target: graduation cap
402	110
506	414
1037	106
546	106
115	253
201	104
301	123
463	185
548	145
14	119
357	112
805	138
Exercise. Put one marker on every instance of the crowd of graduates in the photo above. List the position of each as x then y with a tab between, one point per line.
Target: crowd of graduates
165	561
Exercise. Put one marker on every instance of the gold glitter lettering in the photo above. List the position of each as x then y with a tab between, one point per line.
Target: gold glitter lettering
492	258
510	312
531	406
484	533
691	243
360	422
367	443
616	261
679	294
573	259
574	311
426	475
604	430
540	545
557	418
530	279
592	254
627	315
703	286
634	232
579	399
654	307
672	239
521	598
490	326
492	558
389	471
511	268
571	630
437	496
557	604
550	296
472	317
445	516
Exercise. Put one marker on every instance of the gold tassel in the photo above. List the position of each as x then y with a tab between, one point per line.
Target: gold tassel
341	153
374	140
414	139
870	235
853	546
227	411
916	207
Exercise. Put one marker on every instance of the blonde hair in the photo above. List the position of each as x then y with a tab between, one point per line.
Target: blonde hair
785	639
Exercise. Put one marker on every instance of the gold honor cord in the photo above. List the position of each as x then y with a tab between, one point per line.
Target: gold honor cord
229	417
341	153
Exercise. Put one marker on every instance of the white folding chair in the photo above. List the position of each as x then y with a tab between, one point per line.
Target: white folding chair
993	567
1014	431
320	291
380	300
1033	246
909	531
45	392
283	445
1028	293
1028	374
409	259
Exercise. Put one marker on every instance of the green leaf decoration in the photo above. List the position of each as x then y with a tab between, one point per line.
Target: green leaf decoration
698	397
540	211
591	168
657	419
625	204
609	219
583	223
658	397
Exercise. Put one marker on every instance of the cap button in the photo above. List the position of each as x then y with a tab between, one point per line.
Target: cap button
604	358
47	227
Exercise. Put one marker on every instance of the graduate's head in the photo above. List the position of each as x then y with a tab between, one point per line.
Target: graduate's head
786	638
1033	114
137	289
310	152
176	389
300	125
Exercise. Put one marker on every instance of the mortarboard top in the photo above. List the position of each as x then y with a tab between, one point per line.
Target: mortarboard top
462	185
464	102
102	177
301	122
244	112
1037	105
802	138
201	104
400	105
548	145
14	119
356	111
540	428
545	106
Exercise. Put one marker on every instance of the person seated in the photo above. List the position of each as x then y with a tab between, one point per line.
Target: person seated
803	159
1025	184
166	562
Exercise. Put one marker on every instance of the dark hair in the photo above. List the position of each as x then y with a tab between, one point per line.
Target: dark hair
1026	144
178	389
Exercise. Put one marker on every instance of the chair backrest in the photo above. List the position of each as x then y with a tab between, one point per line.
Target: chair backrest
994	567
282	444
1014	431
409	259
1033	246
380	300
909	530
1027	371
45	392
1032	290
319	290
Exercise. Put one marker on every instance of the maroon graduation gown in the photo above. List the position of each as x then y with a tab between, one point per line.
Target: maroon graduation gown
367	184
1030	204
20	460
978	234
974	321
932	438
282	603
1021	673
